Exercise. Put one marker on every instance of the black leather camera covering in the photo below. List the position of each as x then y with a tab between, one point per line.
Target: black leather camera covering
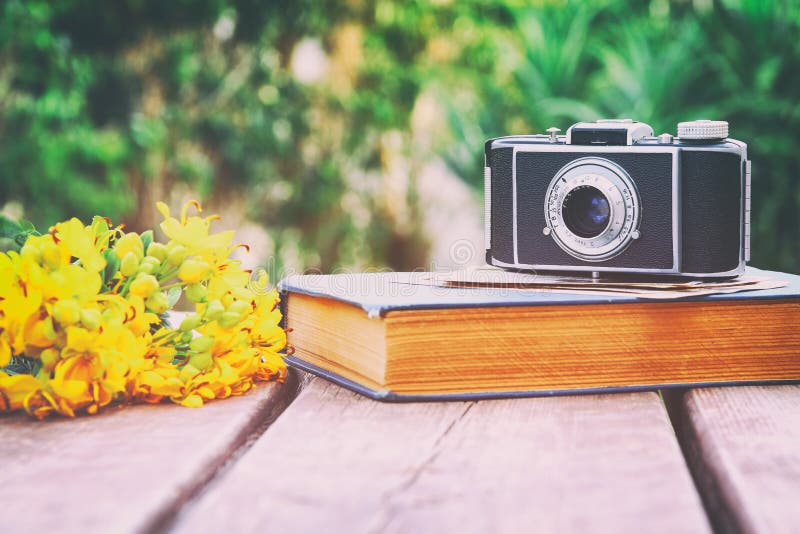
502	204
711	211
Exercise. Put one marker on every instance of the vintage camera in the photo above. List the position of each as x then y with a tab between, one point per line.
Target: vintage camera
611	197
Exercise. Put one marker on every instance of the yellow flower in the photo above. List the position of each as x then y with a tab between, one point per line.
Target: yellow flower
44	251
154	385
19	304
71	281
79	240
71	383
101	343
79	341
192	232
15	389
39	331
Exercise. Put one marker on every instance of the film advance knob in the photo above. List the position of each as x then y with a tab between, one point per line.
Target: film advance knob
703	129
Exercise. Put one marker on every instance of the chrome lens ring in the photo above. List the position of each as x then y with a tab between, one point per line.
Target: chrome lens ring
623	201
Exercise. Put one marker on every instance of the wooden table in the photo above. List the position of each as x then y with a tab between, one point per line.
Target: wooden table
308	456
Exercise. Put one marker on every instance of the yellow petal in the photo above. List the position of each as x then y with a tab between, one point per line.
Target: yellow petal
163	209
192	271
79	240
5	352
130	242
192	401
14	389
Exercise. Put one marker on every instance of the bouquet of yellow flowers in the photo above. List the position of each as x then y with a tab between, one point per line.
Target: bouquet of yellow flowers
83	320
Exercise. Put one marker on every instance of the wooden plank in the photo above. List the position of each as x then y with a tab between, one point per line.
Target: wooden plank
338	462
743	444
125	470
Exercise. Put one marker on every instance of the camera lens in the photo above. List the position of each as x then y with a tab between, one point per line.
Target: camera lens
586	211
591	209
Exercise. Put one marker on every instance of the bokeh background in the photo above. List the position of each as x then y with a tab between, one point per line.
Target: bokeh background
349	134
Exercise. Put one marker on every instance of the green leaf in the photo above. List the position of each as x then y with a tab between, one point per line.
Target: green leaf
27	227
173	296
147	238
13	234
112	264
9	228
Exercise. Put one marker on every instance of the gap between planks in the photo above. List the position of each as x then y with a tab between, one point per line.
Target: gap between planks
296	381
128	469
743	447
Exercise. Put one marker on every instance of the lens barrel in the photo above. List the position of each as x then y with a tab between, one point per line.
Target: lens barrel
586	211
592	209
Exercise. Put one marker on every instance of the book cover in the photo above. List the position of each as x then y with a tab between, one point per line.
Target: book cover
379	294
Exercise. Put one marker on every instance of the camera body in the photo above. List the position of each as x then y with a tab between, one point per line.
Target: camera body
609	196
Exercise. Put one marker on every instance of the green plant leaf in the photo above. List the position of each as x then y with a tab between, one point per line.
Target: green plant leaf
13	234
147	238
9	228
112	264
173	296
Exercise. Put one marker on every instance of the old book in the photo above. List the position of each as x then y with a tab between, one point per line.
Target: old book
398	336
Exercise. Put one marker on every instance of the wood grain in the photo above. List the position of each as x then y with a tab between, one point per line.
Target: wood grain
743	445
125	470
338	462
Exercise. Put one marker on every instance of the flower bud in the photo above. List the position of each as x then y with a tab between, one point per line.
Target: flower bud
130	243
49	358
229	319
149	265
214	310
157	302
177	255
239	307
66	312
90	318
202	343
190	323
158	251
144	285
129	264
193	271
196	292
201	360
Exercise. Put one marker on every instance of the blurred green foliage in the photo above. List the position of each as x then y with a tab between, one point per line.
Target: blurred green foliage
106	107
